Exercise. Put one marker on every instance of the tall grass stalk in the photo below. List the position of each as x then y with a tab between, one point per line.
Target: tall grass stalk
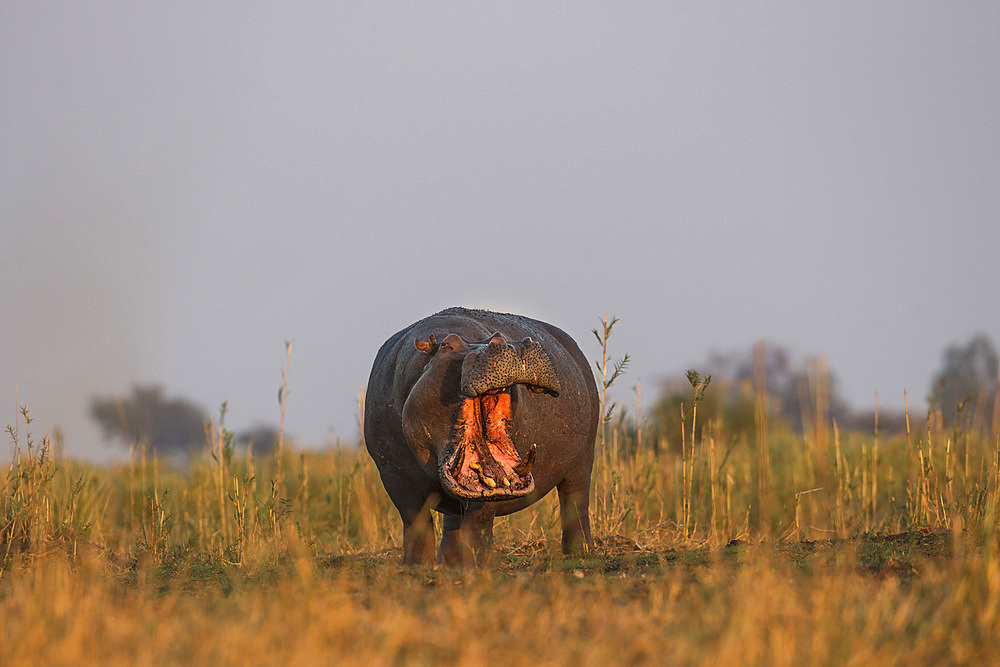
763	444
282	403
874	475
605	382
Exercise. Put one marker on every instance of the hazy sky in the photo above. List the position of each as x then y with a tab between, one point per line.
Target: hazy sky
185	186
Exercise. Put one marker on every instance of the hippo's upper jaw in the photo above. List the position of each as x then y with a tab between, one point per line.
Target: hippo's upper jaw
479	461
497	364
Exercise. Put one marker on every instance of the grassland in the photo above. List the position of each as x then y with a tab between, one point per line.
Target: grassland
776	548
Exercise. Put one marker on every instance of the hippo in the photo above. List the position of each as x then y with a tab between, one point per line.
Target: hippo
478	414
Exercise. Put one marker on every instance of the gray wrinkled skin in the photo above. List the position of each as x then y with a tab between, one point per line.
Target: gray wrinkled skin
436	383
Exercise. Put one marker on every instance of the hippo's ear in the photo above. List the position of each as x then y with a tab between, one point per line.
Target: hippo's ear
427	347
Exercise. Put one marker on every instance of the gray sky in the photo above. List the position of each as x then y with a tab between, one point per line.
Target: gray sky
185	186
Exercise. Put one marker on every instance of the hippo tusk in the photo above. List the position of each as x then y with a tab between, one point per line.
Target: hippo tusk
459	460
523	466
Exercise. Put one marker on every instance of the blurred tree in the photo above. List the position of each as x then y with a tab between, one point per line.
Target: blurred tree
891	421
170	426
791	387
729	400
968	378
263	438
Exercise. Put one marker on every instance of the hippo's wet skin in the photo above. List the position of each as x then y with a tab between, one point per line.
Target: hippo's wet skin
479	414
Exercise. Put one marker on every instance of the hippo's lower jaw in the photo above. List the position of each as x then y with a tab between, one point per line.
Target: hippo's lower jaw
480	461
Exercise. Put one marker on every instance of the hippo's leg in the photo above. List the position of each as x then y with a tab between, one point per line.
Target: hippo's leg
414	508
418	535
467	539
574	510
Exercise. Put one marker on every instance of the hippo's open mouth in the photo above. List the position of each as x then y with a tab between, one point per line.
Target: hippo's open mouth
480	461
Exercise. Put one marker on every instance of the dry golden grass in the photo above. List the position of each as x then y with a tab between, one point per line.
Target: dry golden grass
867	555
766	610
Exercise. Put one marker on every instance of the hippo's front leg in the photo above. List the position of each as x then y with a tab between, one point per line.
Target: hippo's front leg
574	509
414	507
418	536
467	539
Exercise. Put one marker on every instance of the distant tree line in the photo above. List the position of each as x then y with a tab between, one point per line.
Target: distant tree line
963	393
171	426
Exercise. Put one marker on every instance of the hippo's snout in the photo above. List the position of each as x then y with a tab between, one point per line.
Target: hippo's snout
499	364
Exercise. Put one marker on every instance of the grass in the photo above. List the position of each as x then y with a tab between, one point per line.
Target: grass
868	548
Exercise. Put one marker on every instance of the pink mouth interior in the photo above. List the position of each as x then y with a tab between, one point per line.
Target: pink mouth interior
483	456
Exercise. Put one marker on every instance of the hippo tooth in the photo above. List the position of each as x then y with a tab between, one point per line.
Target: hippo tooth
489	481
459	460
506	482
475	466
523	466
